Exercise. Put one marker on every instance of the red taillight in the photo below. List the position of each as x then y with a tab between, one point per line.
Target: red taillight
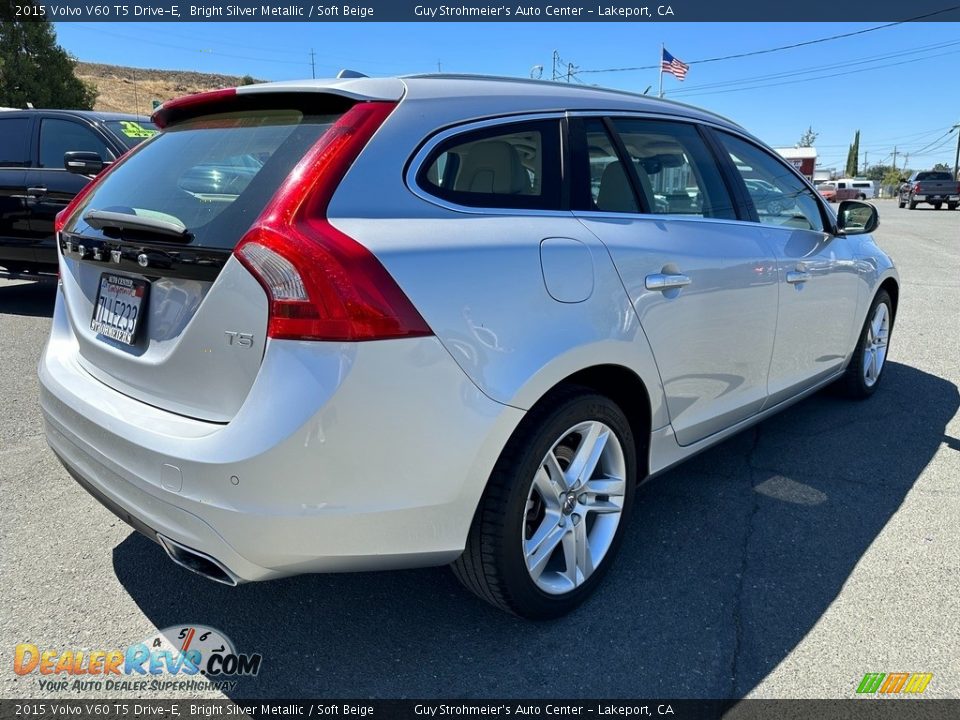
916	187
322	284
161	117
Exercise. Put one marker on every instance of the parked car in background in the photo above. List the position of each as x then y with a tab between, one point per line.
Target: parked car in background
403	337
930	186
46	158
828	191
855	189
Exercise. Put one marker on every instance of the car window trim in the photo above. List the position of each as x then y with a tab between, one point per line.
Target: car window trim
429	144
550	137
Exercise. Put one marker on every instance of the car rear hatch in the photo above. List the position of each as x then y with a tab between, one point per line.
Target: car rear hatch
162	308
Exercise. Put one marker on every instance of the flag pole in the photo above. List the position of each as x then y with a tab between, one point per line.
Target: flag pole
661	70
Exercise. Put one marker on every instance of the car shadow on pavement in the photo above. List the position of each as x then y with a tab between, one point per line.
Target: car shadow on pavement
31	299
729	562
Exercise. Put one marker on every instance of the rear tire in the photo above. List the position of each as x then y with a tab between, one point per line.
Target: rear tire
937	206
544	534
912	205
865	371
951	206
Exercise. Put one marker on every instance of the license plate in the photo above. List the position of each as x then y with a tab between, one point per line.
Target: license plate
119	305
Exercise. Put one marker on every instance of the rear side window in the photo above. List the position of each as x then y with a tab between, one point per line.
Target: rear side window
215	173
61	136
933	175
13	142
677	173
779	196
508	166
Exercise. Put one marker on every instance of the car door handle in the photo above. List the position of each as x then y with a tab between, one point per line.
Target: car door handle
36	191
664	281
797	276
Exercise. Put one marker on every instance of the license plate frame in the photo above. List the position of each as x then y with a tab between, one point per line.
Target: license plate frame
120	315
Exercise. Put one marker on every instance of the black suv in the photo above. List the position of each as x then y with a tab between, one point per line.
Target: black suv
47	157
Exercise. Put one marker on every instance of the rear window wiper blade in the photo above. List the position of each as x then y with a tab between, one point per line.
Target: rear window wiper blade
102	219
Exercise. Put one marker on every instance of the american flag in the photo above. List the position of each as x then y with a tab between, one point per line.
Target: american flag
670	64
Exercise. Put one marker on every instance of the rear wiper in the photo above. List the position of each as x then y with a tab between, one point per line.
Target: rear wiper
101	219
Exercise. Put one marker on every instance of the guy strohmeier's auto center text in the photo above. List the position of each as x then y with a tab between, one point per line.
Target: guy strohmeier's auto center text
320	11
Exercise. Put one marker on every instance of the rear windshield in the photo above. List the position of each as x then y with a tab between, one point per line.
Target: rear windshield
214	174
132	132
933	175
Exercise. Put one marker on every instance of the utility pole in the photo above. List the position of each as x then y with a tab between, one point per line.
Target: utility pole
569	72
956	158
556	61
439	67
866	154
894	157
313	66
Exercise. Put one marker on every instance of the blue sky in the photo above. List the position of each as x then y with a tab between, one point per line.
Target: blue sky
897	85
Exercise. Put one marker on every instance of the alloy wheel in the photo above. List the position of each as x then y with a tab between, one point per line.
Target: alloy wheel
573	508
875	350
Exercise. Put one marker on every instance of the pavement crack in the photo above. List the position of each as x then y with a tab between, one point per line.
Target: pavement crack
742	575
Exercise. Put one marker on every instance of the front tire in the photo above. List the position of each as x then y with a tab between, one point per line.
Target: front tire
865	371
951	206
553	515
900	203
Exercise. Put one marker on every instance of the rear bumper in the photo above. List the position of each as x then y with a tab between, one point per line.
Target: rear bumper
344	457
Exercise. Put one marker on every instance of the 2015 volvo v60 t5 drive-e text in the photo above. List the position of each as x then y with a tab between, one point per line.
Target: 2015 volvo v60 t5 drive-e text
379	323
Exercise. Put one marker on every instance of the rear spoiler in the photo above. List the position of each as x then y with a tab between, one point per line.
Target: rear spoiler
350	89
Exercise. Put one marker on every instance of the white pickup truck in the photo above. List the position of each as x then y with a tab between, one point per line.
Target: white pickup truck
930	186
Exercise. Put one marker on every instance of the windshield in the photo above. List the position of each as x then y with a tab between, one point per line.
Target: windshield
132	132
213	174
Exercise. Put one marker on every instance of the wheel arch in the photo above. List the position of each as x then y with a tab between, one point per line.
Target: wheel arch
625	388
893	290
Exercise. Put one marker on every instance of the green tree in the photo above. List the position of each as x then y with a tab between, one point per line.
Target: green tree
893	175
34	69
943	167
247	80
808	138
878	172
853	157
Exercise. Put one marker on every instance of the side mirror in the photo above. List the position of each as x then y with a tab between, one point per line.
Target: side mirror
857	218
82	162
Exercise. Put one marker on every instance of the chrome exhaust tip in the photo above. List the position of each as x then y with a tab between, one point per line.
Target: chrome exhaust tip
197	562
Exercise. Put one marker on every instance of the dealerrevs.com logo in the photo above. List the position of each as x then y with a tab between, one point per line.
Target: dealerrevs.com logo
894	683
185	657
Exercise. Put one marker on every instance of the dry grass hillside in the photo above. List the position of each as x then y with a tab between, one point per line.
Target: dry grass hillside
133	90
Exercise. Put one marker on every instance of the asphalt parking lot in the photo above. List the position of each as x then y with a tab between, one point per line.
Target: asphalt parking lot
786	562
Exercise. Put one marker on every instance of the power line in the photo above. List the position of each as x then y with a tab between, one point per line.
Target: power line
816	68
784	47
810	79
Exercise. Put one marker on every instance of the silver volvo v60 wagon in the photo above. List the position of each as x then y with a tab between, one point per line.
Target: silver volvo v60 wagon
378	323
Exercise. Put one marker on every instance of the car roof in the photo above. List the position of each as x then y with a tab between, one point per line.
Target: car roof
514	94
96	115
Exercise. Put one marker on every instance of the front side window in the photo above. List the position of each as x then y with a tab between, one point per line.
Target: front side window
779	196
677	173
62	136
508	166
